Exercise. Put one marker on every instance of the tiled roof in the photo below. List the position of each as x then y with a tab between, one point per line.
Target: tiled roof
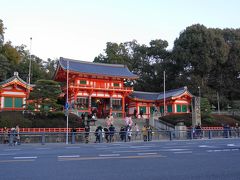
12	79
116	70
144	95
158	96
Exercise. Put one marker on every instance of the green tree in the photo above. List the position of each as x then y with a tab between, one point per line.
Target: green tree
4	67
45	94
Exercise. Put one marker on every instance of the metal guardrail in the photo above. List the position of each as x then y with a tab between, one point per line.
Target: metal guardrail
92	137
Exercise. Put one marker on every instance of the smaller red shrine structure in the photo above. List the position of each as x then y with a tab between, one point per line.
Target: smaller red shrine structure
13	93
177	101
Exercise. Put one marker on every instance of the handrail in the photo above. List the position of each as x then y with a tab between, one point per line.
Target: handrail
46	129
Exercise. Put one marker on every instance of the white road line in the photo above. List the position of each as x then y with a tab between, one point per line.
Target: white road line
135	147
222	150
8	154
72	147
175	149
108	155
143	154
12	149
231	145
27	157
43	148
69	156
206	146
183	152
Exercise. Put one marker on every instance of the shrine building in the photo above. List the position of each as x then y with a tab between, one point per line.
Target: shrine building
13	93
105	89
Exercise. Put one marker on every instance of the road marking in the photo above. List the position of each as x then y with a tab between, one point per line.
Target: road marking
12	149
175	149
133	151
108	155
43	148
9	154
69	156
231	145
27	157
17	160
183	152
135	147
105	158
143	154
206	146
222	150
72	147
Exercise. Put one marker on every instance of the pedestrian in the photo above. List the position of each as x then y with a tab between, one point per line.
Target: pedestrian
129	133
122	134
145	133
136	130
12	139
18	135
135	113
111	132
237	130
106	134
141	113
87	130
5	135
149	133
98	131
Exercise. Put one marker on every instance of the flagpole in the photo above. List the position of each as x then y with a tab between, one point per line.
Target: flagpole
66	107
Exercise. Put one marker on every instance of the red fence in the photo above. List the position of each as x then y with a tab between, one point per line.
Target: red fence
46	129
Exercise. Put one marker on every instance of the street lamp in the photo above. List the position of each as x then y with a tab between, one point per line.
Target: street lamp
199	91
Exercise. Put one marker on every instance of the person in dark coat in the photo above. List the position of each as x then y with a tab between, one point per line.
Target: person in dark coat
111	132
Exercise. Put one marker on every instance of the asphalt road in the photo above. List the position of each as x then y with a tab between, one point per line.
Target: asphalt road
180	160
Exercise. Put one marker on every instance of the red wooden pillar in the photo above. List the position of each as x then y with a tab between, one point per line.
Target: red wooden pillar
148	110
123	106
173	107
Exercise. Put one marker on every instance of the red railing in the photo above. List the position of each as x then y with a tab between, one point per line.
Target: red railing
34	130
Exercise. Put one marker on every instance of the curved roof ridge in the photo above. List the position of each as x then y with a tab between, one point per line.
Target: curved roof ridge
112	70
88	62
146	92
15	76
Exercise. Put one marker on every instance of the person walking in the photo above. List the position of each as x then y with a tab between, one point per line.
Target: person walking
237	130
18	135
129	133
145	133
111	132
5	135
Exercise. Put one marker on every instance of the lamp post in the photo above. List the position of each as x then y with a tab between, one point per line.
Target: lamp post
30	64
199	91
66	105
164	95
218	102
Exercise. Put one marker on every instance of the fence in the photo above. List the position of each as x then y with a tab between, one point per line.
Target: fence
92	137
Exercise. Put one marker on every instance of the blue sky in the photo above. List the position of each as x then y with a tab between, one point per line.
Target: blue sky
79	29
